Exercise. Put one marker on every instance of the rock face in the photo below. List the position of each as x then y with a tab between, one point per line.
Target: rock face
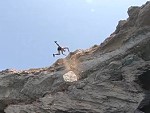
113	77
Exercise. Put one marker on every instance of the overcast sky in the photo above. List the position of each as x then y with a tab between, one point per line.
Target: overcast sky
28	28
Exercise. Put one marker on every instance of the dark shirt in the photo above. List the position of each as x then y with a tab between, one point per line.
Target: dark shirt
59	48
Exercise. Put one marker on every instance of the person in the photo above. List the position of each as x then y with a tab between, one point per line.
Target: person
60	49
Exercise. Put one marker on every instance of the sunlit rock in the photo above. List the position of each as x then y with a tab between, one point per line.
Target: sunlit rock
70	76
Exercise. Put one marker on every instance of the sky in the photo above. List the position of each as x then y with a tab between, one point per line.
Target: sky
28	28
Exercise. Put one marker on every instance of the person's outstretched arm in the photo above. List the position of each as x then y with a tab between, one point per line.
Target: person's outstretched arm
67	49
57	43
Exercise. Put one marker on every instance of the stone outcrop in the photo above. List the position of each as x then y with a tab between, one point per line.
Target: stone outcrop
113	77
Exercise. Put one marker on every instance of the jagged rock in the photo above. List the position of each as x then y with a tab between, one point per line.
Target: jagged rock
120	26
113	78
115	64
144	15
133	13
129	59
9	71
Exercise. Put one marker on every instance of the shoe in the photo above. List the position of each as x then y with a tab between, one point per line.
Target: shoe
53	55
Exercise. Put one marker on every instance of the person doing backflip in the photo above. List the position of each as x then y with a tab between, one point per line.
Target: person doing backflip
60	49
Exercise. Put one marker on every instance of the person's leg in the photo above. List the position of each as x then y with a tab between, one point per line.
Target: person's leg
62	51
56	53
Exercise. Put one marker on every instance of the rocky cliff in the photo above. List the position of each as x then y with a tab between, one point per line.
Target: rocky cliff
113	77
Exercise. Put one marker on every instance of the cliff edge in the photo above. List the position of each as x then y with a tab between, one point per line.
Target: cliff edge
113	77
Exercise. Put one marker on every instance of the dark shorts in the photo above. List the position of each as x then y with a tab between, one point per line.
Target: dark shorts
59	48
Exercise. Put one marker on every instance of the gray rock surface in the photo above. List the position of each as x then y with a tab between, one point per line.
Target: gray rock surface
110	78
